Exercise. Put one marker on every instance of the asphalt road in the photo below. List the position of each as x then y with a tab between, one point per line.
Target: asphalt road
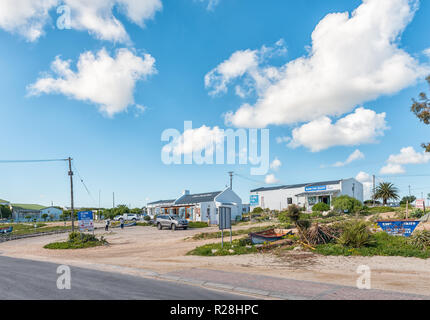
26	279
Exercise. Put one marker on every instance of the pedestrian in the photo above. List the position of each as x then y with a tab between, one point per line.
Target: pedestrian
107	225
122	223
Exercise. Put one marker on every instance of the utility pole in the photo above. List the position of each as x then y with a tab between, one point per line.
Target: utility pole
353	190
113	200
100	216
409	190
71	194
374	190
231	179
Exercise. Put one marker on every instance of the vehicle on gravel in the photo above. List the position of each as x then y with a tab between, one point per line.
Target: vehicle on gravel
127	217
171	222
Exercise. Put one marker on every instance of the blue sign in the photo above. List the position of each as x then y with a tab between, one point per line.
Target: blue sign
398	227
254	200
85	215
317	188
86	221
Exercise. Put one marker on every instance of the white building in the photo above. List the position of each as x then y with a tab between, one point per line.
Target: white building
199	207
305	195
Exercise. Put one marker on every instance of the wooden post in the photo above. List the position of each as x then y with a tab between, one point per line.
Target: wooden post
407	209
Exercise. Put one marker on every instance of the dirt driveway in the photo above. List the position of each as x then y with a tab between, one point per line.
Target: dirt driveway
137	250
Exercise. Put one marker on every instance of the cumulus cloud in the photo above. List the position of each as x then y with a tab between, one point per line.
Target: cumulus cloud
353	58
30	17
362	126
106	81
195	140
245	64
367	182
276	164
356	155
271	179
396	162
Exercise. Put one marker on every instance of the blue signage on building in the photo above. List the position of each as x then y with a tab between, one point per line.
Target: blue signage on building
316	188
254	200
398	227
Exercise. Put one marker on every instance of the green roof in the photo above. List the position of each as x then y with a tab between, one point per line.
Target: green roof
28	206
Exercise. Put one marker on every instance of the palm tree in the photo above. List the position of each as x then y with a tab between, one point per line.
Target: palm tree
386	191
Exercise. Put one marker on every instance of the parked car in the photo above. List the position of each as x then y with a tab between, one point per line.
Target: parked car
127	217
172	222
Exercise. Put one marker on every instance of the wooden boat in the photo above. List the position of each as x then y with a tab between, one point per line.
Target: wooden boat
270	235
6	230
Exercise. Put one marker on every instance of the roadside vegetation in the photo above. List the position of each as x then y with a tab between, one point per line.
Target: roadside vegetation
78	241
31	228
349	229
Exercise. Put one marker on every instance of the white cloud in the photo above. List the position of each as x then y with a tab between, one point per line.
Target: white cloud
367	182
280	140
356	155
211	3
271	179
195	140
395	163
276	164
353	59
362	126
106	81
30	17
245	64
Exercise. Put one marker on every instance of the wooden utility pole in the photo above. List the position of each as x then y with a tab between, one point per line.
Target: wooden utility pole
374	190
71	194
231	179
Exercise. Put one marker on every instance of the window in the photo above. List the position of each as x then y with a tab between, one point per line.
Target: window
209	211
290	201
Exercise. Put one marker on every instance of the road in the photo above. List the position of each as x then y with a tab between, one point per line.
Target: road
25	279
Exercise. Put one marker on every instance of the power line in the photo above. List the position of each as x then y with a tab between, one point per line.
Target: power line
32	161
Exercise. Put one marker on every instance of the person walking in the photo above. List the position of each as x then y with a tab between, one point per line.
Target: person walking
107	225
122	223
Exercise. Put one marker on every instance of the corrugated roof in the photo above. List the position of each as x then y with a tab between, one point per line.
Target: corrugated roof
198	198
162	201
28	206
294	186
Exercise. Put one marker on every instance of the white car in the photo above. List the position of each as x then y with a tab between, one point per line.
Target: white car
127	217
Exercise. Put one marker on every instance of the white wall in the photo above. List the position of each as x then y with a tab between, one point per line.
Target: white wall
358	189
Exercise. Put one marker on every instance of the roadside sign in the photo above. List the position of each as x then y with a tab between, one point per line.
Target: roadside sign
254	200
403	228
224	218
420	204
225	223
86	221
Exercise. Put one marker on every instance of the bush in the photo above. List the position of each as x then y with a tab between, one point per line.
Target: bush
380	209
78	241
421	239
321	207
283	217
417	213
147	218
383	244
356	234
257	210
347	204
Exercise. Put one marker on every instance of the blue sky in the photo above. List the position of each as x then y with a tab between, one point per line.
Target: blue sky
121	152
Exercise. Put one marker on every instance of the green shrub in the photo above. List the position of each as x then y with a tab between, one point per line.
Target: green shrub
347	204
380	209
383	244
214	249
283	217
147	218
421	239
78	241
257	210
321	207
417	214
355	234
